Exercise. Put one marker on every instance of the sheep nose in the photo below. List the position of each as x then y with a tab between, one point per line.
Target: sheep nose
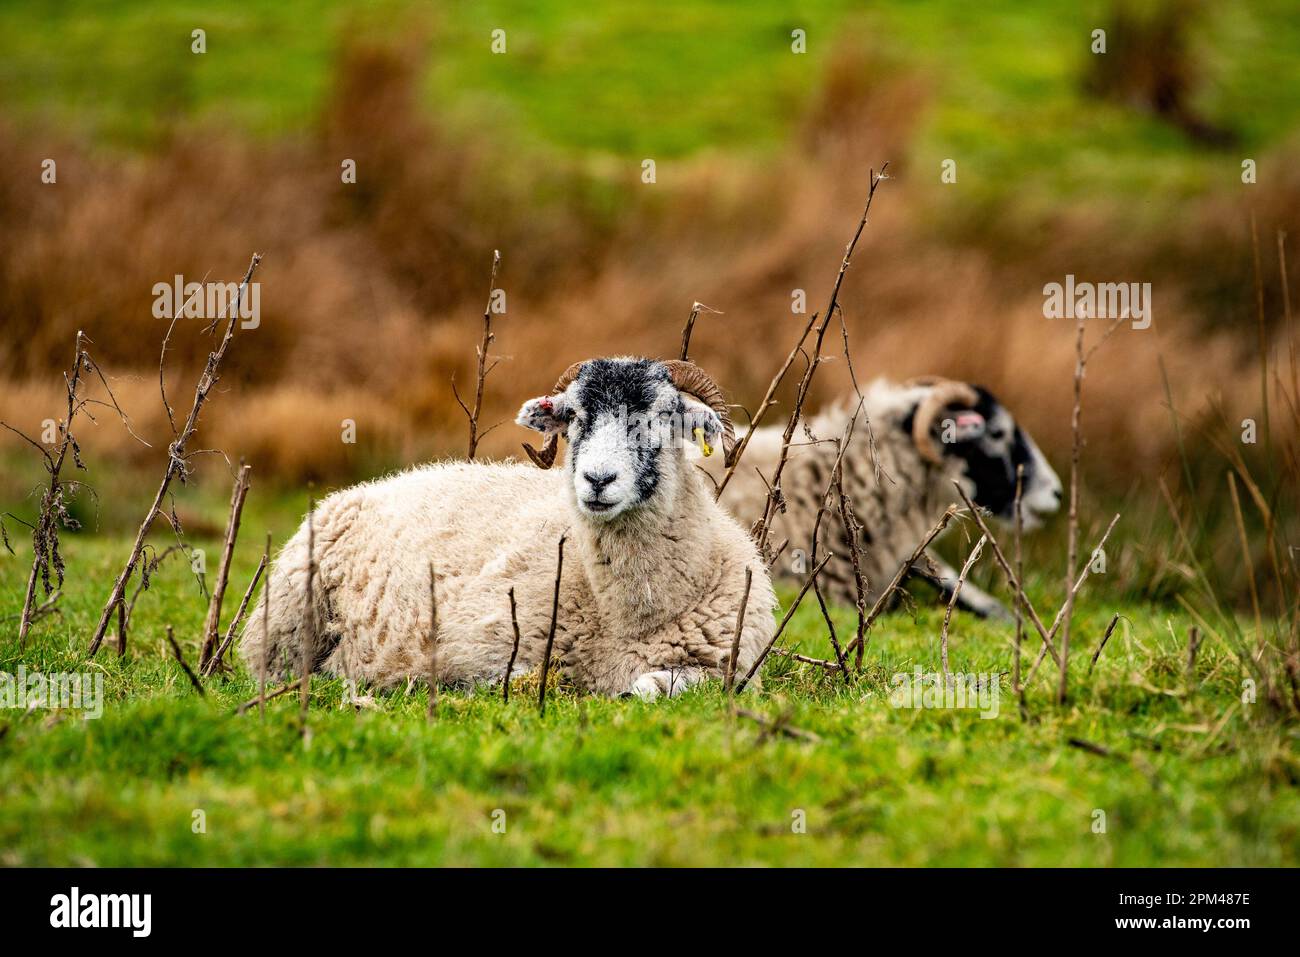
598	480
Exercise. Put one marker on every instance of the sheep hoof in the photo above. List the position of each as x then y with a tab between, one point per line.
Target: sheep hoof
652	684
647	686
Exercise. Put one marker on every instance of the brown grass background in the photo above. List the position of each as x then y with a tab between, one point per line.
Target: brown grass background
372	293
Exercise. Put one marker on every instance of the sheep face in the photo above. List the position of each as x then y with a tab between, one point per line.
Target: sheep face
627	426
989	443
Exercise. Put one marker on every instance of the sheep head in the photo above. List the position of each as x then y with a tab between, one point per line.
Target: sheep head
944	396
625	420
989	446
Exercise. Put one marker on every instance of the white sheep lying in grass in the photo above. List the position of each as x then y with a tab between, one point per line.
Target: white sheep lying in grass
653	568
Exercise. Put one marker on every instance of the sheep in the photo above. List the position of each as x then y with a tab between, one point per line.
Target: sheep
653	569
929	432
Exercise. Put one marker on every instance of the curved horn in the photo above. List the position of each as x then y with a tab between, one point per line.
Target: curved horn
545	458
944	394
566	378
690	378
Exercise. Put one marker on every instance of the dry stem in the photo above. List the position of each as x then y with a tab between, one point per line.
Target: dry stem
176	652
213	623
735	640
550	635
514	651
483	368
176	467
794	606
971	559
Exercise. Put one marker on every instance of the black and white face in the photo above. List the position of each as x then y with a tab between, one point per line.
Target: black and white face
627	427
993	446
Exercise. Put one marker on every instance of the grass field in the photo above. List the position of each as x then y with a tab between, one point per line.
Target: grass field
1147	765
634	81
1197	779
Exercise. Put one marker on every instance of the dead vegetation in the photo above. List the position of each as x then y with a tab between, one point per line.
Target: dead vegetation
53	513
178	465
901	318
390	275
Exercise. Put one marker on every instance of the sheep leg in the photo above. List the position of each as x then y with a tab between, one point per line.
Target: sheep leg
971	599
670	683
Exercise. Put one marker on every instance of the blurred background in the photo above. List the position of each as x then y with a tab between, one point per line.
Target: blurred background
1125	166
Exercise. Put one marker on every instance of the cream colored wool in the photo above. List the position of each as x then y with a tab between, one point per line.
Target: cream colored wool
650	597
897	512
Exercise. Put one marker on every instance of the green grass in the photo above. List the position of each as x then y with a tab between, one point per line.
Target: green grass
1200	780
1003	84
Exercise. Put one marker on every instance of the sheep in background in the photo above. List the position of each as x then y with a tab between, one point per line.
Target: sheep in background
653	573
929	432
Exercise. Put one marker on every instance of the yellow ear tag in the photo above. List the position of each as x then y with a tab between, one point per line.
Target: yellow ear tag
705	447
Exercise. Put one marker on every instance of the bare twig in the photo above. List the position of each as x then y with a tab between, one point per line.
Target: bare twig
514	651
834	483
266	634
550	635
1072	526
1104	638
213	623
819	662
775	497
830	630
897	580
147	569
1194	640
853	532
690	327
1017	586
483	368
1062	613
862	402
1020	574
740	624
309	638
770	398
1091	748
176	465
162	353
794	606
433	643
47	607
971	559
214	663
53	509
176	652
263	698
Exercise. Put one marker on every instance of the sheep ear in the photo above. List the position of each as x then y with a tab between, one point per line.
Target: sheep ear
548	414
698	415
